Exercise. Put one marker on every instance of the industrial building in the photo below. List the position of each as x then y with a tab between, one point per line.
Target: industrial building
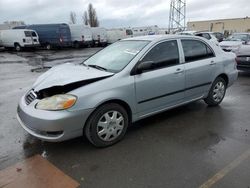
226	26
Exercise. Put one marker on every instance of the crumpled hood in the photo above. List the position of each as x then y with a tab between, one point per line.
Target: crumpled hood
67	73
230	43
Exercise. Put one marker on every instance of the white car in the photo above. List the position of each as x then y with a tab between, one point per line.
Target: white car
209	36
235	41
19	38
187	33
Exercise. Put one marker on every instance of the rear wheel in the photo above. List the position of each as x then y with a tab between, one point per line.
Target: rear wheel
17	47
107	125
76	44
217	92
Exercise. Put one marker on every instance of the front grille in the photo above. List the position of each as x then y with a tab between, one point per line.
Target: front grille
30	97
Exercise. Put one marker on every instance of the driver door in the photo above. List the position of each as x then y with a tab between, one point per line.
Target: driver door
164	84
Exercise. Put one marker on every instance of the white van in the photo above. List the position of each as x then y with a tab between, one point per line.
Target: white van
18	38
99	35
81	35
147	30
118	34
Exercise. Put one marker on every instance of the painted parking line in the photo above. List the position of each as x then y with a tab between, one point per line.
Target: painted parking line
219	175
35	172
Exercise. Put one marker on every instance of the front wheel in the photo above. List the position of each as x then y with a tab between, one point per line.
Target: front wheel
48	46
217	92
107	125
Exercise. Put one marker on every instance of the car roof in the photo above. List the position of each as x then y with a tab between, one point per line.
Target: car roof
155	38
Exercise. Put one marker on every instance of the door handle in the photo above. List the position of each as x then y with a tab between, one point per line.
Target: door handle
212	63
178	71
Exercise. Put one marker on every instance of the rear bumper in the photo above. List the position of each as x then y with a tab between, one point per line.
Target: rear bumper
52	126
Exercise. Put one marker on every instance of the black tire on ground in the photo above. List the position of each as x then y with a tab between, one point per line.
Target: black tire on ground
76	44
17	47
211	99
91	127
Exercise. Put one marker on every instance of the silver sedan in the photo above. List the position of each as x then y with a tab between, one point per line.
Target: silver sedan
123	83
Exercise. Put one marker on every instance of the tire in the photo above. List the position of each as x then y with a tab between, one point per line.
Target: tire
17	47
107	125
48	46
76	44
217	92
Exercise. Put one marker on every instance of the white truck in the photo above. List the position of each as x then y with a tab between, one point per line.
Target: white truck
99	35
81	35
18	39
118	34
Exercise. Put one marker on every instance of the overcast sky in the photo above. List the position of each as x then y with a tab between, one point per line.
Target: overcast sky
119	13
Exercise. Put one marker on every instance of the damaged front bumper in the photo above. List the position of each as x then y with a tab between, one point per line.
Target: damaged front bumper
52	126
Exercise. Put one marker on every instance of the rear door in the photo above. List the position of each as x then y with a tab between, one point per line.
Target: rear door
163	85
200	65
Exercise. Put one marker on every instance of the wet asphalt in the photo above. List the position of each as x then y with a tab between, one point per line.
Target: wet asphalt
183	147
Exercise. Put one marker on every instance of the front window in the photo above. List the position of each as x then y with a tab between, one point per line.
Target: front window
163	55
116	56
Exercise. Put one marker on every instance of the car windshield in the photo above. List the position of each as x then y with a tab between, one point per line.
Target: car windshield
237	37
116	56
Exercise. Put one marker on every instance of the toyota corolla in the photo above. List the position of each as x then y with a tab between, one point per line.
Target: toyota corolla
123	83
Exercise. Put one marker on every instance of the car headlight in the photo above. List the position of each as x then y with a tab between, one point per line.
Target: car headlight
57	102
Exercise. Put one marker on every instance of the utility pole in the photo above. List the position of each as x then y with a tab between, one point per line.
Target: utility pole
177	16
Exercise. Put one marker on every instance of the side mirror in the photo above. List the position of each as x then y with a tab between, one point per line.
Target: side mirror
144	66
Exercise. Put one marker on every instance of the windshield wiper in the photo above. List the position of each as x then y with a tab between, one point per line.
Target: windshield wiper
98	67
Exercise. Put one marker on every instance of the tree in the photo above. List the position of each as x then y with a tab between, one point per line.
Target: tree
72	18
85	18
90	17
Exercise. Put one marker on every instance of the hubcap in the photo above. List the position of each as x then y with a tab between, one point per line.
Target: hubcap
110	126
18	48
219	91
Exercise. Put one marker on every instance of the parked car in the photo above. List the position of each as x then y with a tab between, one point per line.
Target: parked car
127	81
235	41
19	39
208	35
99	35
81	35
220	36
243	58
186	33
51	35
118	34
